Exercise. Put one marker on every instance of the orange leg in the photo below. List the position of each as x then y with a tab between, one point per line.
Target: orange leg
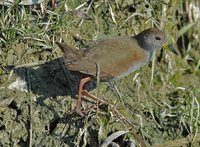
82	92
81	84
53	3
86	93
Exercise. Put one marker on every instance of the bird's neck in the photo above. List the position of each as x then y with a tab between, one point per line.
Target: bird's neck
143	43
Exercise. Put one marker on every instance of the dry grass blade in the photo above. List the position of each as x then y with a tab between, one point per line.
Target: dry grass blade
113	137
160	104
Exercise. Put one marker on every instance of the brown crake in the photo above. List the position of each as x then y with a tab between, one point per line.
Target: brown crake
115	57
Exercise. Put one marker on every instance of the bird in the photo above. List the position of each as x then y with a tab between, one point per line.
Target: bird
113	58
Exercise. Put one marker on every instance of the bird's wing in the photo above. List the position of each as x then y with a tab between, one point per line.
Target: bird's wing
114	57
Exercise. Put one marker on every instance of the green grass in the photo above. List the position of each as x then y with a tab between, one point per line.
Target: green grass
158	104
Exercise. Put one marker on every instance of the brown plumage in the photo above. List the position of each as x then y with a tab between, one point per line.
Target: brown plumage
116	57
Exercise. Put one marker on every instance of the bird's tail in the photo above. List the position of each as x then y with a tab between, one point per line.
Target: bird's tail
64	47
71	54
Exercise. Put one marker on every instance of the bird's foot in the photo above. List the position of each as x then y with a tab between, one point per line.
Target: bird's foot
83	113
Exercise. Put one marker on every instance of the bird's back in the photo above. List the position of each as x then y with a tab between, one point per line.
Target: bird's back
116	58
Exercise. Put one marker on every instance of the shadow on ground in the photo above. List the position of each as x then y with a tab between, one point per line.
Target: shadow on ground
48	83
51	79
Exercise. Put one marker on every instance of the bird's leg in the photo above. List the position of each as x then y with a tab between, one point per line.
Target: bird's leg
53	3
81	84
99	101
85	93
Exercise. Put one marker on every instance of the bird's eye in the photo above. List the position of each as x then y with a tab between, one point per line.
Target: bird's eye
158	38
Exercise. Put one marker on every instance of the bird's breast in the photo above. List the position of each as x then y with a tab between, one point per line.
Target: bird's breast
138	62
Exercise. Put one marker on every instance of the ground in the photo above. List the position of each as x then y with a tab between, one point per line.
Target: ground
157	105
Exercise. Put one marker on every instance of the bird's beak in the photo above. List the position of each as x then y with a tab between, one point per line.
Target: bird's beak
169	47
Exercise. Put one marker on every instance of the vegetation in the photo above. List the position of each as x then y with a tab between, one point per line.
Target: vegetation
158	105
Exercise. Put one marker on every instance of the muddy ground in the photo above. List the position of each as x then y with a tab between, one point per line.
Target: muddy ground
157	105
